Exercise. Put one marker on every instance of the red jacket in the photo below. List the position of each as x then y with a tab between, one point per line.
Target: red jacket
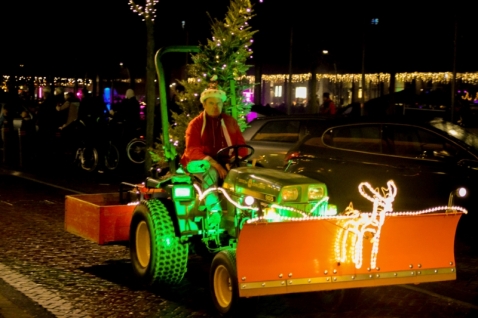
204	139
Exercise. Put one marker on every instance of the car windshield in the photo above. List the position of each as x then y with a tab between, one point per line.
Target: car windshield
457	132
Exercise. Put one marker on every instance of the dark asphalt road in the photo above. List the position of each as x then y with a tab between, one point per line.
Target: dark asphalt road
67	276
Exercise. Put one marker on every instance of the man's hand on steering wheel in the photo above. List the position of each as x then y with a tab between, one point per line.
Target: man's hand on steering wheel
235	159
220	169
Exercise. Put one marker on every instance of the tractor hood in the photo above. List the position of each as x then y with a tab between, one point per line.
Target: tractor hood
273	185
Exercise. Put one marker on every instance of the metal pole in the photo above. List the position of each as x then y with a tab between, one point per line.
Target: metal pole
362	99
289	83
163	95
453	83
232	84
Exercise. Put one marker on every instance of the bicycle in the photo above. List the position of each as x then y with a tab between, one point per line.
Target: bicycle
107	149
136	150
77	146
88	158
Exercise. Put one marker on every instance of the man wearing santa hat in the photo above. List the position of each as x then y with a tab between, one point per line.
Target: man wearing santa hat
209	132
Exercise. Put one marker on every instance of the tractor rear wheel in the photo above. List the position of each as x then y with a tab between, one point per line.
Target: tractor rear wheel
157	255
223	282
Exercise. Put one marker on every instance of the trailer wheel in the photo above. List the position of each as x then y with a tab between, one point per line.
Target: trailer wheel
157	255
339	299
223	282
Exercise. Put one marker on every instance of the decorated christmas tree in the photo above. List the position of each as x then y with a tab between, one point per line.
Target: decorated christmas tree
225	55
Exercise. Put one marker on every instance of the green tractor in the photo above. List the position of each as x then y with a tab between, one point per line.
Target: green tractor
171	221
278	234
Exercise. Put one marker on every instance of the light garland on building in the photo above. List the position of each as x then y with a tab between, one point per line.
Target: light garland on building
375	78
442	78
280	79
44	81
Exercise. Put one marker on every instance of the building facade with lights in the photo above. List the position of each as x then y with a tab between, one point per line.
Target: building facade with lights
347	88
344	89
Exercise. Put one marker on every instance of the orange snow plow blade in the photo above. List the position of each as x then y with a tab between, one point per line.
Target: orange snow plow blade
320	254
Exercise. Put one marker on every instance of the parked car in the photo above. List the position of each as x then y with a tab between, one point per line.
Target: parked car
427	160
271	137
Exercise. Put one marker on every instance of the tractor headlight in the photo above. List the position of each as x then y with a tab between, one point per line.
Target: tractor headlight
183	192
249	200
316	192
290	194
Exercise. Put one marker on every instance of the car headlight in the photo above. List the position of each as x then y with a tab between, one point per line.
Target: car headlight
316	192
290	194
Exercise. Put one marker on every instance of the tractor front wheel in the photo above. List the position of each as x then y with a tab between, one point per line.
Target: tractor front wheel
157	255
223	282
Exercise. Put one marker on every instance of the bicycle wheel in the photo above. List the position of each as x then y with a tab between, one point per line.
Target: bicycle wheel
89	158
111	157
136	150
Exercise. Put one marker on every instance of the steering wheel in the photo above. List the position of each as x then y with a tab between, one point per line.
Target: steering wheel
235	160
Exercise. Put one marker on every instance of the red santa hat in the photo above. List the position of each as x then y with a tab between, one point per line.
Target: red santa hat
213	91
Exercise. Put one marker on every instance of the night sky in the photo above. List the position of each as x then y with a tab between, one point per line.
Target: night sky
78	38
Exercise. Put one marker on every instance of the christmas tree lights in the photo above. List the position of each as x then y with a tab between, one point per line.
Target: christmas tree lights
224	55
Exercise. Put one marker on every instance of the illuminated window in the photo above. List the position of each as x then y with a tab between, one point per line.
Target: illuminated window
301	92
399	86
278	91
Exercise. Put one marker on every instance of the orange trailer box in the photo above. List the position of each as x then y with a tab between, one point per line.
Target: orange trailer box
98	217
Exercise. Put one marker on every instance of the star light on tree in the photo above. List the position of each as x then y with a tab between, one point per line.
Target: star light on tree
148	11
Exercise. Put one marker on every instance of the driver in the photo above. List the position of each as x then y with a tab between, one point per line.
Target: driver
209	132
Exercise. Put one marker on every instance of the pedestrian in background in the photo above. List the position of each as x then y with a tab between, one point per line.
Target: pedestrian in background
72	104
7	134
128	112
47	114
328	106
